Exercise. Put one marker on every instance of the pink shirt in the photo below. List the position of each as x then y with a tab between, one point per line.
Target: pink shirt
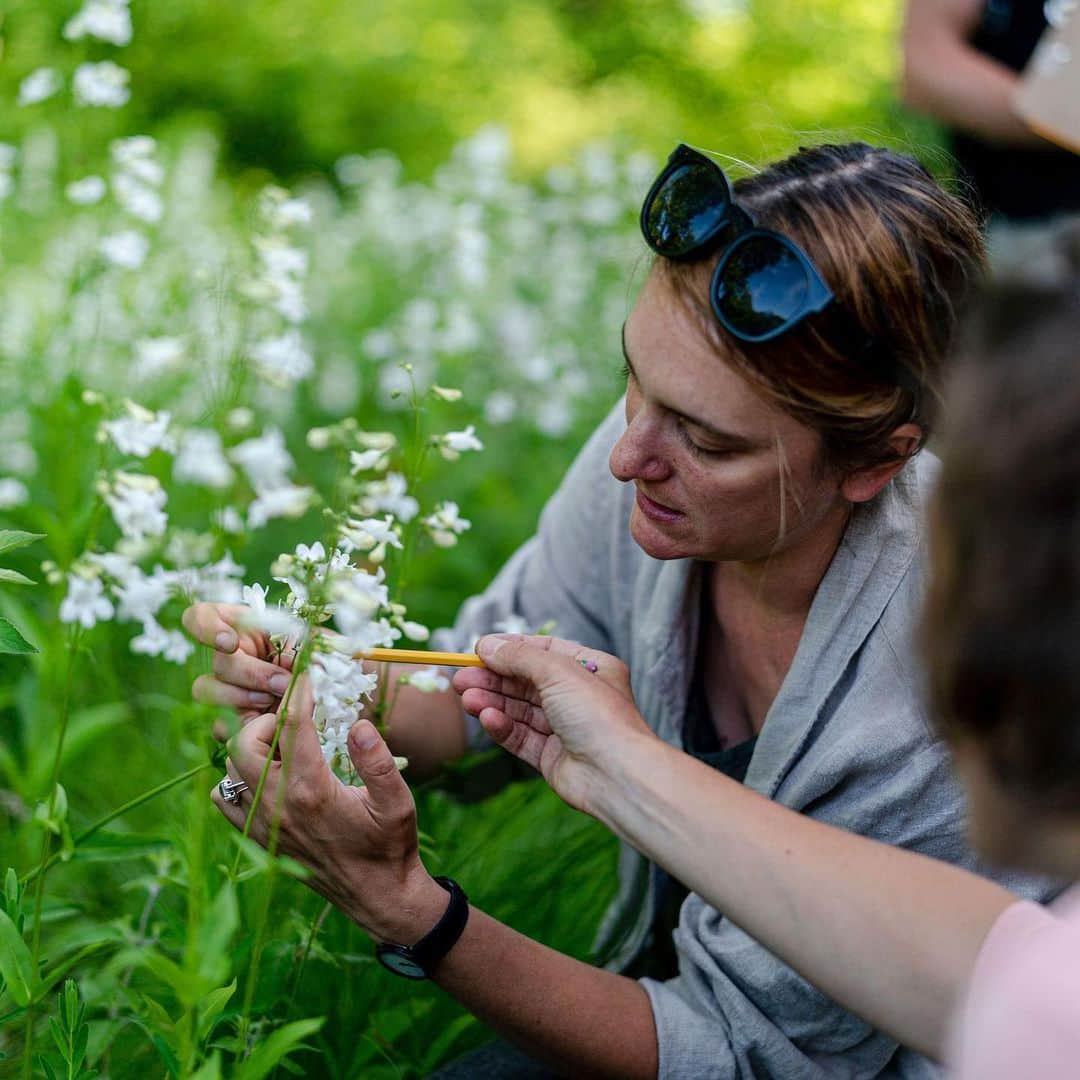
1021	1017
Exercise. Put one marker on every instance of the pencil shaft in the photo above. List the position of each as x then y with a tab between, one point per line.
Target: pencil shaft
421	656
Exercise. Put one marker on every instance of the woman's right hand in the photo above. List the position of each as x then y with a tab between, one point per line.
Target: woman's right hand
537	698
249	674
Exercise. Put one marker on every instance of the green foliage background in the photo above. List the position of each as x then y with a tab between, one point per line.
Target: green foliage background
290	85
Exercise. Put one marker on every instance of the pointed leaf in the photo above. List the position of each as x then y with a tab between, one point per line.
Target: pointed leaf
10	539
11	641
13	577
276	1046
16	963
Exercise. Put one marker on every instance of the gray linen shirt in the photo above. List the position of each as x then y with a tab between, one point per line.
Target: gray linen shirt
846	741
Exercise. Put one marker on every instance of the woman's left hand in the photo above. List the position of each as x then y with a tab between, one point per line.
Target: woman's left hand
359	843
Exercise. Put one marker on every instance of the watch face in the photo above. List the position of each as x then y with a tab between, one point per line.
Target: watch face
400	963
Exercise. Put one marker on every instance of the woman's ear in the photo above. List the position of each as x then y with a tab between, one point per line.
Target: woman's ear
863	484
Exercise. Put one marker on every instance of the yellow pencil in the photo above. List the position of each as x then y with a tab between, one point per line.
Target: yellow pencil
421	656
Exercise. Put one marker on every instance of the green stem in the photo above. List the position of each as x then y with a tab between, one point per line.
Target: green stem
131	804
46	842
244	1023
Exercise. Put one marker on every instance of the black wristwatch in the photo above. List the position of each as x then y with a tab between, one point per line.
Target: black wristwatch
417	961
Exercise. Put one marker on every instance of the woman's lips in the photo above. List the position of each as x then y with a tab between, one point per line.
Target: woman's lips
655	511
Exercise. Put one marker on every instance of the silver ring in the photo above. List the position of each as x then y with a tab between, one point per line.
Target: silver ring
230	789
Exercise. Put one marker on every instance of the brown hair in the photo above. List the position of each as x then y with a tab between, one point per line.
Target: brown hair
900	255
1002	624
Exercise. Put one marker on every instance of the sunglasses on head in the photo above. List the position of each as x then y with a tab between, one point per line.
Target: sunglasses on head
764	283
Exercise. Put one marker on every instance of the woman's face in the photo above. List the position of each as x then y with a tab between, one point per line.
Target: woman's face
705	450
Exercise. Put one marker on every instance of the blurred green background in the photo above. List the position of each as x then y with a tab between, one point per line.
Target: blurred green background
292	86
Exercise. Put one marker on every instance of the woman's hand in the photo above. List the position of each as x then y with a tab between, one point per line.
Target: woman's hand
360	843
564	709
249	674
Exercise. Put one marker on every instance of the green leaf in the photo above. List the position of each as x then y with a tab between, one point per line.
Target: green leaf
16	963
13	577
211	1007
10	539
266	1056
86	727
11	641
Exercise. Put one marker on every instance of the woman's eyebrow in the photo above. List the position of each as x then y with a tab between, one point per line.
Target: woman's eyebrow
736	442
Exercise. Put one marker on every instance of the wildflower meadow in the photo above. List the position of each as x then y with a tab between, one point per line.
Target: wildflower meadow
340	401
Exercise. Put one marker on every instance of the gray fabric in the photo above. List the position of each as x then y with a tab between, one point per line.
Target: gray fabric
846	741
496	1060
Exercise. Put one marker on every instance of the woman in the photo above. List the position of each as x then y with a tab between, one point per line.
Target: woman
904	934
753	555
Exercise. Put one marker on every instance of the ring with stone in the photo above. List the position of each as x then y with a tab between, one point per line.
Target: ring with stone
230	789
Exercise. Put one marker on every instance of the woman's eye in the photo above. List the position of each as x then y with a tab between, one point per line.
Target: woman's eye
697	448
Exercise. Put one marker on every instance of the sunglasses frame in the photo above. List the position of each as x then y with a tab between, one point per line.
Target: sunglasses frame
818	294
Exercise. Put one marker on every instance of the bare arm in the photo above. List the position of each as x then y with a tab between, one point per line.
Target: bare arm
889	934
946	78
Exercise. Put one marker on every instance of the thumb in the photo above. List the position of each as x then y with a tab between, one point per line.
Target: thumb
375	765
532	659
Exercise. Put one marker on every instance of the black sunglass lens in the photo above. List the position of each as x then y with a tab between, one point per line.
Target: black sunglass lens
686	210
762	288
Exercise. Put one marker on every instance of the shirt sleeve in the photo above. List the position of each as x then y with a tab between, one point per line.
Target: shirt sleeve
1021	1015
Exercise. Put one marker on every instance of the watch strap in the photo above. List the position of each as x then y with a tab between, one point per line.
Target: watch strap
435	944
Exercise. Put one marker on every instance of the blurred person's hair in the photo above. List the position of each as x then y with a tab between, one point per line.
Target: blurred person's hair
1002	622
900	255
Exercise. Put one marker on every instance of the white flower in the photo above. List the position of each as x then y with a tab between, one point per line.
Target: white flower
201	460
499	407
106	20
415	631
186	547
140	432
255	597
39	86
155	640
284	360
137	199
85	602
127	249
229	520
274	620
512	624
367	460
358	596
283	213
454	443
8	156
142	596
428	680
87	191
134	155
446	524
390	495
153	356
137	504
116	564
12	493
372	535
444	393
289	501
104	84
281	259
265	460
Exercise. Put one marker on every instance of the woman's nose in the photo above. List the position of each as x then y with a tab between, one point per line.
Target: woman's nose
638	455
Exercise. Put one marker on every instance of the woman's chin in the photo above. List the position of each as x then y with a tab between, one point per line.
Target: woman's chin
656	539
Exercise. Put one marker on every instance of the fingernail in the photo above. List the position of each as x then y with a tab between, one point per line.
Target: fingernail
225	640
490	645
364	735
256	697
279	683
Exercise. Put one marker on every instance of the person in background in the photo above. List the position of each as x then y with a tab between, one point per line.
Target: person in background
962	60
745	530
945	961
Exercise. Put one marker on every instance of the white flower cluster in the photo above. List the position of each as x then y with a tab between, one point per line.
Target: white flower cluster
267	464
38	86
279	353
136	176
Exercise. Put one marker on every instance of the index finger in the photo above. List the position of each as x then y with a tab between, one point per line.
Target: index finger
214	624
